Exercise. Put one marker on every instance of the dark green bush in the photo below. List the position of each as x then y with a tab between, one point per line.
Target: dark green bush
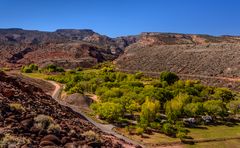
169	77
29	68
169	129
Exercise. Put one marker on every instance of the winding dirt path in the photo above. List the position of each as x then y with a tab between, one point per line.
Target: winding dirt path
107	128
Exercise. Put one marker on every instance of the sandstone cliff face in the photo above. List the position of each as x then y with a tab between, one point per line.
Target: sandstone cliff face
184	54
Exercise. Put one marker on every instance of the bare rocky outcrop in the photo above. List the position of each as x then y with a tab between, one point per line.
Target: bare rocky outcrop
30	118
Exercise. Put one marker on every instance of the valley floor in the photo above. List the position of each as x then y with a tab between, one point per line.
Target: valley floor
161	140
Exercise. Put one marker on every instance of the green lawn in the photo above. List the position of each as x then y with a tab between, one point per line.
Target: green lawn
235	143
210	132
215	132
155	138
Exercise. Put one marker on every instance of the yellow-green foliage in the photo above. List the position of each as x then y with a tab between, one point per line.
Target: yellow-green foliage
174	107
149	110
126	97
16	107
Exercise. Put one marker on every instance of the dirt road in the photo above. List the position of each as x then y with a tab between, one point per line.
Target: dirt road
107	128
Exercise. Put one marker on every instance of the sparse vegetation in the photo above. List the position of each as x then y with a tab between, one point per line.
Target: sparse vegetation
16	107
91	136
12	141
52	68
29	68
43	121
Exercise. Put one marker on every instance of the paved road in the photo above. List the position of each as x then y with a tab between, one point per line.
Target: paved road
107	128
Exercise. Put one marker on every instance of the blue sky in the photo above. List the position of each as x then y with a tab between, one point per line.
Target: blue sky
124	17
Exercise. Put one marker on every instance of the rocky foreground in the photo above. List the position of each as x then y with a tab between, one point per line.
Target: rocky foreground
30	118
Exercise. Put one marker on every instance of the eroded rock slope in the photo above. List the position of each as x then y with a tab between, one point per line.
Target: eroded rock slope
30	118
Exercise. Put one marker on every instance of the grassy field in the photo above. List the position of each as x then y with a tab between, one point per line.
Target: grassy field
234	143
215	132
36	75
155	138
207	132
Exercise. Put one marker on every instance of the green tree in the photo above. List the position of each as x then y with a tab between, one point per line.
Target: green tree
33	67
26	69
109	111
193	109
138	75
174	108
169	129
224	94
234	106
149	111
214	107
169	77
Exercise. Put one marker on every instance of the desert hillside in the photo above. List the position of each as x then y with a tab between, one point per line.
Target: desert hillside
183	54
71	48
30	118
68	48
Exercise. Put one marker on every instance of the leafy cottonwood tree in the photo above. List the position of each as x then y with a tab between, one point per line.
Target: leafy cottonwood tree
149	111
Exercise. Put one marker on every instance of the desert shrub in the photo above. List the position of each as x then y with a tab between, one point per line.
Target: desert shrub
33	67
54	128
181	135
52	68
13	141
26	69
139	130
91	136
43	121
29	68
16	107
169	77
